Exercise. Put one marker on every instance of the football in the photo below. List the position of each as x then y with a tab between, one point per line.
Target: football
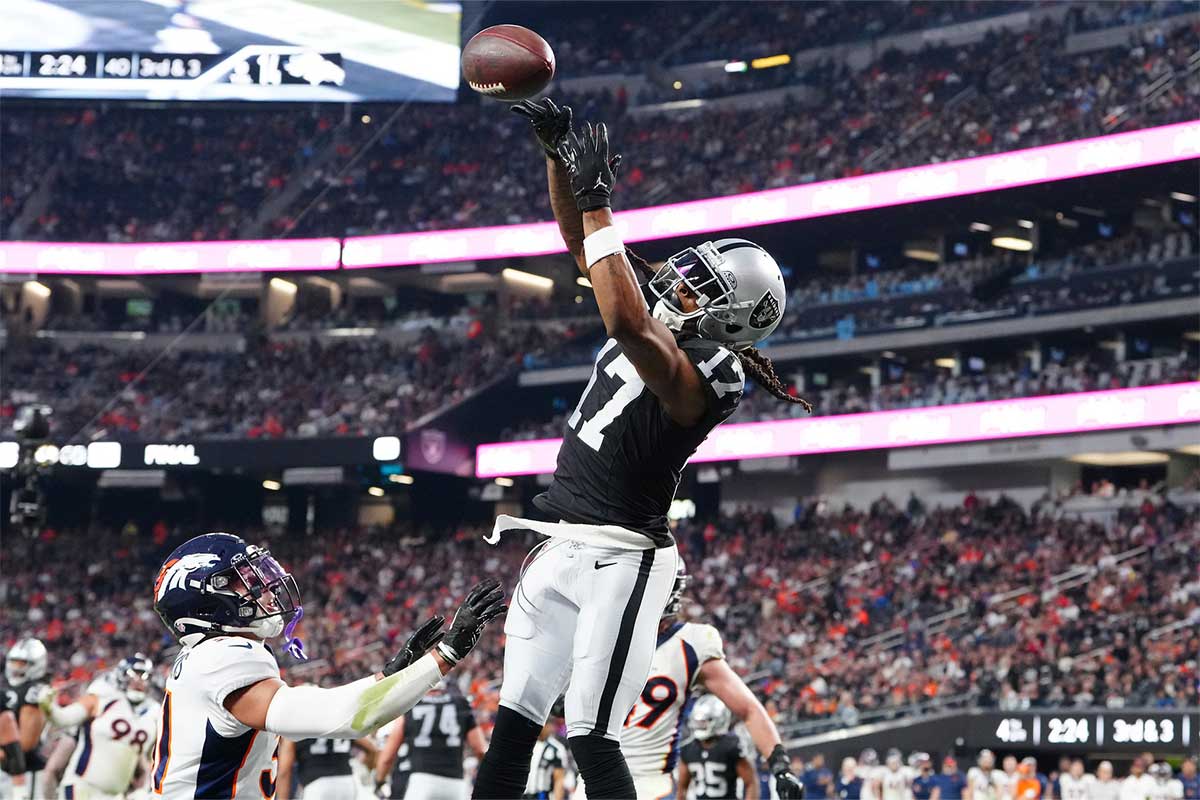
507	62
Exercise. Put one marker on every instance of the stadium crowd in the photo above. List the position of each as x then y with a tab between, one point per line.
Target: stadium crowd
205	173
824	614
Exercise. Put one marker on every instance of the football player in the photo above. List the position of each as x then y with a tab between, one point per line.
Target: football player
225	705
871	772
436	729
896	778
1076	784
984	781
116	731
589	602
1166	785
25	673
713	765
689	656
321	766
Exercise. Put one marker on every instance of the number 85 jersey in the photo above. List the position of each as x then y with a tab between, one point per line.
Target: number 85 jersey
622	454
650	737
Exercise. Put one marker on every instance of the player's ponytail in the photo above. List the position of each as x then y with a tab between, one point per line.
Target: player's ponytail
762	371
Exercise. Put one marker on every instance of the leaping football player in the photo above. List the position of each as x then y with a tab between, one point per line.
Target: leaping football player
587	606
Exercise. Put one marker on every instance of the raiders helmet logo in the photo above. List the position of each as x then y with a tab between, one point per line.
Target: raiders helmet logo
766	313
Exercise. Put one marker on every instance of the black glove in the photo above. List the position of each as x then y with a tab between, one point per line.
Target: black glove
425	637
484	603
787	785
593	173
550	123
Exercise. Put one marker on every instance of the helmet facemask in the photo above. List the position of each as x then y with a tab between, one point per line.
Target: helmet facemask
269	599
696	269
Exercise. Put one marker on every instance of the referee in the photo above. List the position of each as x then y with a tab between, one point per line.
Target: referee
548	769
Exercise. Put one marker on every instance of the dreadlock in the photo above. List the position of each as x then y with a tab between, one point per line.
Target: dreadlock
760	368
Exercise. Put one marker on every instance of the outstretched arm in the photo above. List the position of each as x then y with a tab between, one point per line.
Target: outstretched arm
646	342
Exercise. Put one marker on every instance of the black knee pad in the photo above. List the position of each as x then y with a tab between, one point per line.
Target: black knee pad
505	768
603	767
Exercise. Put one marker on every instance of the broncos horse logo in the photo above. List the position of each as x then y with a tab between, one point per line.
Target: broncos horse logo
175	571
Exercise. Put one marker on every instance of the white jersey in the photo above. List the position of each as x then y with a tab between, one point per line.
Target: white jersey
989	784
109	745
1072	788
1104	790
897	784
202	750
1167	790
1140	787
870	776
650	737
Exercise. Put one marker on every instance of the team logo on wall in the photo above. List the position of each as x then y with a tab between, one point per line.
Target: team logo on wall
433	445
766	313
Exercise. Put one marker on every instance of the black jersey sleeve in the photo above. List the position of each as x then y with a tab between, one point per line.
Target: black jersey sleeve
721	374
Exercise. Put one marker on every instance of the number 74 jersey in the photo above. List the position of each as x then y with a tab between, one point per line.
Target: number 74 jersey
654	726
622	454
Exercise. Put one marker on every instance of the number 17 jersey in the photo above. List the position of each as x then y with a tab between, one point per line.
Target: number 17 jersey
622	455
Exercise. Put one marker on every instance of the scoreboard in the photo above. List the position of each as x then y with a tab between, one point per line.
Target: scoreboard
1132	730
244	74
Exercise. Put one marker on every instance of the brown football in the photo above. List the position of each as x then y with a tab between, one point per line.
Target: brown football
507	62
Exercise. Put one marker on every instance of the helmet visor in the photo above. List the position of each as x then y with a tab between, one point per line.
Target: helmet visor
694	270
273	590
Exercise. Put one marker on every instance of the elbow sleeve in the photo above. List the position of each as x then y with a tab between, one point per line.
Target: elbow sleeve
14	758
351	711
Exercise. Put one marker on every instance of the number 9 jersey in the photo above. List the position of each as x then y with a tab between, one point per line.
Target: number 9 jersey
108	746
650	737
622	455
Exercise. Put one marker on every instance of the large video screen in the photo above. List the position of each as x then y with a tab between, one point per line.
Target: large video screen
285	50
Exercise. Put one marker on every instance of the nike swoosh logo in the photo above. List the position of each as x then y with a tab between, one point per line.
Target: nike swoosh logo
248	646
602	566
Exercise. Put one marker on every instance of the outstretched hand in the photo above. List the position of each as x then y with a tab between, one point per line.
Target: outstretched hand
421	641
550	123
484	603
592	170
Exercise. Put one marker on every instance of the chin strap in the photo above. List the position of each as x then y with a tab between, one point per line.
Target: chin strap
294	646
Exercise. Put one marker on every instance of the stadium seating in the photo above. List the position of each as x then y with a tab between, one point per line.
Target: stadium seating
825	614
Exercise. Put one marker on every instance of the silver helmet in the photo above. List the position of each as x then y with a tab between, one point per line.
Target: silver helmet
737	286
675	599
709	717
26	661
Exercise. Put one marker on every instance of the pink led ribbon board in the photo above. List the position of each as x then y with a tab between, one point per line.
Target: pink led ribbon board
969	176
971	422
167	258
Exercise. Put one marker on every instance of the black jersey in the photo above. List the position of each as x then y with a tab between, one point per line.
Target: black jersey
435	730
622	454
322	758
713	769
16	697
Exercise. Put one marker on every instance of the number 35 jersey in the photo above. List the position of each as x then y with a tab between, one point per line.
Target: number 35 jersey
650	736
108	746
622	454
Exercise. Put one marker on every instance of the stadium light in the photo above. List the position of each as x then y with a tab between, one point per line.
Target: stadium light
677	85
1012	243
980	227
272	486
527	279
506	482
1124	458
1183	197
736	66
283	286
1024	223
406	480
40	289
950	362
584	282
375	491
771	61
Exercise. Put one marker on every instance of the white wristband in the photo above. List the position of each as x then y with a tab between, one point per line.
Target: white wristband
601	244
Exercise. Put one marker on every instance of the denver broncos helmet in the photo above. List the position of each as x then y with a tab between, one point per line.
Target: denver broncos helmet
216	583
132	676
